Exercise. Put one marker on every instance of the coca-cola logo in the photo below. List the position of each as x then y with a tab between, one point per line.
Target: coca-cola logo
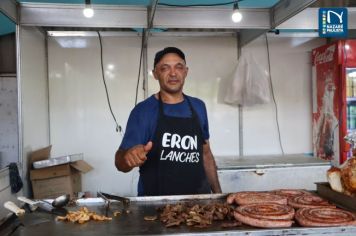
326	56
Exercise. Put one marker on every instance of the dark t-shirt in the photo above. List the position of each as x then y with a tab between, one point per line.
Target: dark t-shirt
142	121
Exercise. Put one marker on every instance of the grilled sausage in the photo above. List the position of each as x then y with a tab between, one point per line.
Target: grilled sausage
243	198
324	216
269	215
290	192
310	201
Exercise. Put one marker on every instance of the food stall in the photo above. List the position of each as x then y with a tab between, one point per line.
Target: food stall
62	103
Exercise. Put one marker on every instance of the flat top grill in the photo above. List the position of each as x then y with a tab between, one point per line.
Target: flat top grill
133	223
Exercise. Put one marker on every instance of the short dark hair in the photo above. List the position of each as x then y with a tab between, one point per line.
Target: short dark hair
160	54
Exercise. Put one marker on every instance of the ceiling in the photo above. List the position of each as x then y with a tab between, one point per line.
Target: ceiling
242	3
7	26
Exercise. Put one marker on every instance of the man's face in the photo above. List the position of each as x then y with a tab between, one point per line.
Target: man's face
170	73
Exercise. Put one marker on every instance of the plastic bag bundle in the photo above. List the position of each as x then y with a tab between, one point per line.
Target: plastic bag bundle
250	85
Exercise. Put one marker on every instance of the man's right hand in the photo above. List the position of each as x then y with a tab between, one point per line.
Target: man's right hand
136	155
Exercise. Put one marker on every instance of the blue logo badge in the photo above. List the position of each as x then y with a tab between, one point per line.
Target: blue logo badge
333	22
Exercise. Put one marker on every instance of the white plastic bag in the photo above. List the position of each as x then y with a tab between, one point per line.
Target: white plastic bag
250	85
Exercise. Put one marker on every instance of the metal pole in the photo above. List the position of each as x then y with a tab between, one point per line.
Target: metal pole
144	66
150	16
19	103
240	108
47	84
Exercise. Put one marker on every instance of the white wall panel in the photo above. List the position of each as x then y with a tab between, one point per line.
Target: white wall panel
34	91
291	77
80	118
9	149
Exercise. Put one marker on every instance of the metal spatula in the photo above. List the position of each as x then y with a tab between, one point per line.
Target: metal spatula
44	205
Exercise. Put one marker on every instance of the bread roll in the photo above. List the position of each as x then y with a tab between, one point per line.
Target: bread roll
348	176
334	178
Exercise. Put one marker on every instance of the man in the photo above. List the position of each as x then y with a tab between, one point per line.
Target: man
167	136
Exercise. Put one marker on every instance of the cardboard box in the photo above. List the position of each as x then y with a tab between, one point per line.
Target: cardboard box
54	181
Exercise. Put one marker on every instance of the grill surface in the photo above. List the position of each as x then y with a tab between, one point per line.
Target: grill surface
134	223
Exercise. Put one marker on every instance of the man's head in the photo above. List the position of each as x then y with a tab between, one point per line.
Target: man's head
160	54
170	69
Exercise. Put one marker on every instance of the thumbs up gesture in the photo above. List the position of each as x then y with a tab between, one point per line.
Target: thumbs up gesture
136	155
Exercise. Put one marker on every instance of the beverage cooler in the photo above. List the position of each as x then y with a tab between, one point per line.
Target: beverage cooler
334	99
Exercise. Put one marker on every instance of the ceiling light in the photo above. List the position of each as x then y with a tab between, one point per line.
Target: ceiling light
88	10
236	14
111	66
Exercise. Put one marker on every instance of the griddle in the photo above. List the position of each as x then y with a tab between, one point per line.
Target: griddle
340	199
134	223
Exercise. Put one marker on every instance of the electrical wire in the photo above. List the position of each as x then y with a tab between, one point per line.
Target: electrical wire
273	96
199	5
143	40
140	65
118	127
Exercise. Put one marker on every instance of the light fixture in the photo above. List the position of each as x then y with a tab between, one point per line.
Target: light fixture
88	10
236	14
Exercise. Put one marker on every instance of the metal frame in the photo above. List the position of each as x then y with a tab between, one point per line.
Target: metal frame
246	36
19	103
194	34
204	17
279	13
184	33
255	22
78	33
9	8
151	13
286	9
150	16
70	15
305	20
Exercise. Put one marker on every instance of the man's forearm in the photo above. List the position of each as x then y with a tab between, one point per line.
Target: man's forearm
211	170
211	173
